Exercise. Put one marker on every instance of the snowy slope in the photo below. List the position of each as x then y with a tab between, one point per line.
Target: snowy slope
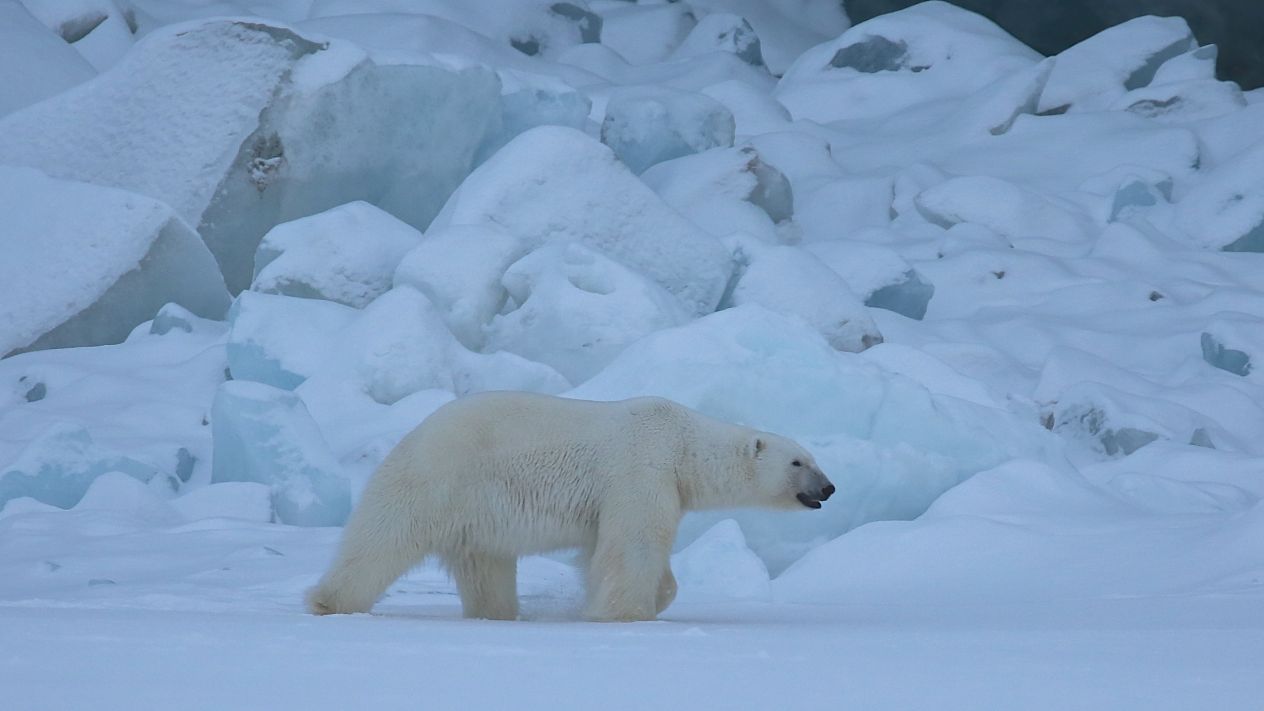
1010	303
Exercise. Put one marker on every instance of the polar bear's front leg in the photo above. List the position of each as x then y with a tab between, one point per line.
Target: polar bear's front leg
488	585
626	580
666	590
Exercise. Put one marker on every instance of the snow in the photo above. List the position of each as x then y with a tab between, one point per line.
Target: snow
1010	303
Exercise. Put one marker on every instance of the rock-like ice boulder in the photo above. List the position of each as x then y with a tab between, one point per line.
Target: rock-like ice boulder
101	31
878	275
720	566
395	346
1093	74
644	34
787	28
1001	206
574	309
557	184
83	264
34	62
263	434
1226	210
929	52
286	126
792	281
59	466
725	190
648	125
459	269
533	27
347	254
1234	343
282	340
723	32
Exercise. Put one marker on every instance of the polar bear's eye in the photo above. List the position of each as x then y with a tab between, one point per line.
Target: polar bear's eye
796	463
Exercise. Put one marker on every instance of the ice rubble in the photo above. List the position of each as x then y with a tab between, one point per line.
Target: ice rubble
648	125
533	27
263	434
602	205
101	31
724	190
575	310
34	62
459	269
286	126
878	434
792	281
644	34
85	264
931	51
1096	72
787	28
347	254
57	467
395	346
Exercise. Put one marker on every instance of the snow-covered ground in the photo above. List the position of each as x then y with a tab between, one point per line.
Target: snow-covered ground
1012	305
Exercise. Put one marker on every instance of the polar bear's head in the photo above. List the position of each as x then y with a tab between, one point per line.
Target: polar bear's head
786	474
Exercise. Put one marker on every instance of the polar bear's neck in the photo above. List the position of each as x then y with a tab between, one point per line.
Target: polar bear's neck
716	472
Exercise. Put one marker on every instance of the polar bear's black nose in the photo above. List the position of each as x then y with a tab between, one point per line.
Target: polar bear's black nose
827	492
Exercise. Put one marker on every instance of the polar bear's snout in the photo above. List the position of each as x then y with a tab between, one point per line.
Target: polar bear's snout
815	489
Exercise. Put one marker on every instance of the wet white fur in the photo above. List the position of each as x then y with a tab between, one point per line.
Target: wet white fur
495	476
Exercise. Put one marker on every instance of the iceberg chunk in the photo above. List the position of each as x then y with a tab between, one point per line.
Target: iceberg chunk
84	265
286	127
648	125
719	566
101	31
723	190
347	254
1226	210
459	269
57	467
723	32
278	340
395	346
263	434
533	27
1091	75
930	52
34	62
1004	207
790	280
786	28
878	275
1234	343
557	184
644	34
575	310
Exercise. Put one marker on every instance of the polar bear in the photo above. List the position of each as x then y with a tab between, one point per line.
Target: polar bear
494	476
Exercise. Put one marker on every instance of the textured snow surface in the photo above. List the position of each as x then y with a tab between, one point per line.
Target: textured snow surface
1010	303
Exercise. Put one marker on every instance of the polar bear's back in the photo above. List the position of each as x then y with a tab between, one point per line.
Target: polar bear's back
528	471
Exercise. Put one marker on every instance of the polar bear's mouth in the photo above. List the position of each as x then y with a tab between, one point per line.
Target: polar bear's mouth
808	501
814	501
